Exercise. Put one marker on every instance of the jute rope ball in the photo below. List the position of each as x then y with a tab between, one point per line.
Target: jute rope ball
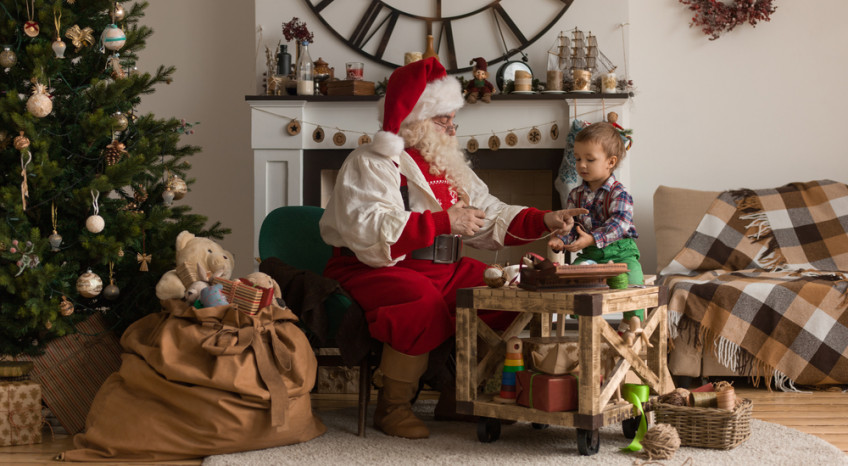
660	442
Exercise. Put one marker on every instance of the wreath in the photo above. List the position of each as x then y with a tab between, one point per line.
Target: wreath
715	17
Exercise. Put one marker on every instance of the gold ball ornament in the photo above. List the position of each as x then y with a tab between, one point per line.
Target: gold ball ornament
178	186
472	145
39	103
120	121
119	13
21	142
8	58
95	224
66	307
111	292
89	284
494	276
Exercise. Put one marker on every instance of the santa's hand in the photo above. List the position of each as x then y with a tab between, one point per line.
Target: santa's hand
557	242
465	221
562	219
584	240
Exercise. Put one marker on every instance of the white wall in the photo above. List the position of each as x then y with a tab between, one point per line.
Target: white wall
759	107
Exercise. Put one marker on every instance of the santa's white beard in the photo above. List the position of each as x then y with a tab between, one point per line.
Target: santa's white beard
442	151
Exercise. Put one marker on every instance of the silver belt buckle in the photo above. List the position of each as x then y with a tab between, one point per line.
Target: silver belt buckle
446	249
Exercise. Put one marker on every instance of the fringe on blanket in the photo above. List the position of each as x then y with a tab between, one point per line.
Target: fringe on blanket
729	354
759	229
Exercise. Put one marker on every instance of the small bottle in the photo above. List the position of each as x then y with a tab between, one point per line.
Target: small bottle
430	51
305	71
283	61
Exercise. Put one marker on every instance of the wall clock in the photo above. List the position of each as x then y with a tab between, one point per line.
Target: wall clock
383	30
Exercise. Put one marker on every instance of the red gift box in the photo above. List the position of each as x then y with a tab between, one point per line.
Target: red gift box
247	297
546	392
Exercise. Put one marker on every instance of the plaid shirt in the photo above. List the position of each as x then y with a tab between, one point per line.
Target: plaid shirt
605	226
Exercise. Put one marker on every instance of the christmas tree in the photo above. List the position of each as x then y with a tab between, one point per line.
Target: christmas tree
87	187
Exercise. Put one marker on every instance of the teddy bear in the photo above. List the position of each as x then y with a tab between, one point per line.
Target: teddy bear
198	259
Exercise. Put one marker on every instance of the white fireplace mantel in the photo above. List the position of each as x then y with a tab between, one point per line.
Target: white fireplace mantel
278	156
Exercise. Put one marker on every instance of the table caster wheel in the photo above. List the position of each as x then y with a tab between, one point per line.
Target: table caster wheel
488	429
630	426
539	426
588	441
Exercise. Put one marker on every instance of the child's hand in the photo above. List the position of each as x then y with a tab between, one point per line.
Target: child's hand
557	241
583	241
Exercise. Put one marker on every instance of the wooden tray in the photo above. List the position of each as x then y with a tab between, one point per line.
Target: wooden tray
350	87
569	276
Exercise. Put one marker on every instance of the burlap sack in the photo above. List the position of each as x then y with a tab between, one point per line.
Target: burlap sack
198	382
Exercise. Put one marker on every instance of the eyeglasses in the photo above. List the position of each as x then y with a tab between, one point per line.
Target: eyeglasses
444	124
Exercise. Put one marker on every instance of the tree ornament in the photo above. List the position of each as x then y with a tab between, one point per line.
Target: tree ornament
534	136
494	142
114	152
31	27
118	13
113	38
364	139
554	131
293	128
178	186
66	307
111	291
339	138
472	145
120	121
48	325
8	58
39	103
168	196
58	45
494	276
318	134
95	223
89	284
511	139
22	144
118	71
80	37
55	239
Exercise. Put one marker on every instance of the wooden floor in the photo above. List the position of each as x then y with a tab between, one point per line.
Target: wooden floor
821	413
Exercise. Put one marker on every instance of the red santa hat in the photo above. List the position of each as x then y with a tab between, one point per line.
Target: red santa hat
480	64
417	91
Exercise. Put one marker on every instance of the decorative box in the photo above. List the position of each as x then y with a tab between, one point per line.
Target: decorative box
20	412
249	298
350	87
546	392
336	379
73	368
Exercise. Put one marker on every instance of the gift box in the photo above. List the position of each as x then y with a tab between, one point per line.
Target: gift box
561	355
20	412
247	297
545	392
73	368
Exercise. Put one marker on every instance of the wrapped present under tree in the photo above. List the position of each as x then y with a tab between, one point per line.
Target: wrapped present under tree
20	412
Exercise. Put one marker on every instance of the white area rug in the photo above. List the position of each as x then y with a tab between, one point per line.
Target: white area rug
456	443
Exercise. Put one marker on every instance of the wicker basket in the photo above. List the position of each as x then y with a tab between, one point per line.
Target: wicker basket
708	427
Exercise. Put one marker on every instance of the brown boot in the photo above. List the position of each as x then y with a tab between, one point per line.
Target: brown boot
394	414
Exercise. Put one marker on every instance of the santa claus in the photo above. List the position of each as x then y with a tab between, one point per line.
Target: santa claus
401	209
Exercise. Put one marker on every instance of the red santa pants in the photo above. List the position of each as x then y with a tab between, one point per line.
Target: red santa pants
412	306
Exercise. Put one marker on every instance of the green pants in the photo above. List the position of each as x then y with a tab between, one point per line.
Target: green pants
623	251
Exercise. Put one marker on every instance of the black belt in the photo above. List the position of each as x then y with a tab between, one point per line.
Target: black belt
446	249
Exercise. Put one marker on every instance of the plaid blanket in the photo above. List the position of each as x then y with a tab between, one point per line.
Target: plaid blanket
762	282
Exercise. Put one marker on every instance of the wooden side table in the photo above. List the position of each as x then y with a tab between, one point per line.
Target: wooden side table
535	309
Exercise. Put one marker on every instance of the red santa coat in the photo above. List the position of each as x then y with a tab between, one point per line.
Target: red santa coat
409	303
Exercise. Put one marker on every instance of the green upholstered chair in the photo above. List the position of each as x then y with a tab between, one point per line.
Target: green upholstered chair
291	234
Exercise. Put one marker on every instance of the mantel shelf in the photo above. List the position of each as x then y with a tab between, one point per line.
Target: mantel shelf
504	97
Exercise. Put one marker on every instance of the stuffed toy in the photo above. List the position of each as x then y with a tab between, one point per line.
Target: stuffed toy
479	88
263	280
198	260
213	295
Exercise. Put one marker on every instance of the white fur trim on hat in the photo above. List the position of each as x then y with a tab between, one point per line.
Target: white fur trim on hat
387	144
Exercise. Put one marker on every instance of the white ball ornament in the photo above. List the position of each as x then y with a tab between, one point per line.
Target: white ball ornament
113	38
89	284
95	223
39	103
494	276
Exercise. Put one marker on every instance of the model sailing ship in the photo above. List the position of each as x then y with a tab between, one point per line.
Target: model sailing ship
575	60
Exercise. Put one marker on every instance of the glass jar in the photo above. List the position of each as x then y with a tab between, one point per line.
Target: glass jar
305	71
283	61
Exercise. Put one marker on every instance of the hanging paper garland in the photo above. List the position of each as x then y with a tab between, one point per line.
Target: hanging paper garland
472	145
511	139
339	138
293	128
554	131
318	134
364	139
494	142
534	136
